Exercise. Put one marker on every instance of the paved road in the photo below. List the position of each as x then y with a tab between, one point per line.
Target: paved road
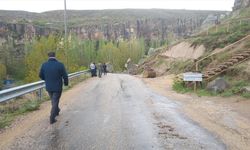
118	112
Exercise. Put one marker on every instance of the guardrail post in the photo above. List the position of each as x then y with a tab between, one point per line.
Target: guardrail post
40	94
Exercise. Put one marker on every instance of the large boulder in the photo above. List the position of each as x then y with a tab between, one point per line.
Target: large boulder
151	51
131	68
218	85
149	73
245	89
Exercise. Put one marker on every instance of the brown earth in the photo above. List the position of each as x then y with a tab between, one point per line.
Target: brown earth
184	50
227	118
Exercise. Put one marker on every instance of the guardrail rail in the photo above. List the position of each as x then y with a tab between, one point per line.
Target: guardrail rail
15	92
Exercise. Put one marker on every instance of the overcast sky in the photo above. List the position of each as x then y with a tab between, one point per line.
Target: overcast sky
46	5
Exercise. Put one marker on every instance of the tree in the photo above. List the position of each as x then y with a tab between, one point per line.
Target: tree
3	71
38	55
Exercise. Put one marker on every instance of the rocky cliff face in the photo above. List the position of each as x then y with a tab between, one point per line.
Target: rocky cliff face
147	28
238	4
18	27
13	37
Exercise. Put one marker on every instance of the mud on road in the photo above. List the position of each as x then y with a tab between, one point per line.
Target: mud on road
116	112
226	118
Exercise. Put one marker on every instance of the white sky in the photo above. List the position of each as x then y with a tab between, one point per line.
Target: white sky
46	5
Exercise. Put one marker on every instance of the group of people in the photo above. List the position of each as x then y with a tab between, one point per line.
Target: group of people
101	68
55	75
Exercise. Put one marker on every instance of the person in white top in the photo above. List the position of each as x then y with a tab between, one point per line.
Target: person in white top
92	69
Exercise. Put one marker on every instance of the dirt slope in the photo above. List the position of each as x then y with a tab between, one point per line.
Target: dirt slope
184	50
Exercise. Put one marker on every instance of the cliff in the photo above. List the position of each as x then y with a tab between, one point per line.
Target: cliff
16	27
239	4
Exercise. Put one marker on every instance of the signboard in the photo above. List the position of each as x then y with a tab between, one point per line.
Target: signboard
192	76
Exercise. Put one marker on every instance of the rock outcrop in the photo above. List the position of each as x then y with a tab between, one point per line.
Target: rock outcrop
238	4
13	37
218	85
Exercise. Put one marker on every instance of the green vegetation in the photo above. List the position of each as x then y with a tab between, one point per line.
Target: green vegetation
180	66
234	90
244	13
229	31
2	71
11	110
223	38
77	54
180	87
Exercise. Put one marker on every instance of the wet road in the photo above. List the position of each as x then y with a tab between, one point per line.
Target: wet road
118	112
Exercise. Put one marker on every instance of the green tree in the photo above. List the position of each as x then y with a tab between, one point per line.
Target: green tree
38	55
3	71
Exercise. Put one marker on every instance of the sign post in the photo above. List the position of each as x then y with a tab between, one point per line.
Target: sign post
192	76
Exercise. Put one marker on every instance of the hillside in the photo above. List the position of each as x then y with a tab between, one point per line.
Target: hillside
155	27
94	17
222	50
114	24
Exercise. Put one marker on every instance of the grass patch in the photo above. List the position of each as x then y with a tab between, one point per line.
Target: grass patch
246	95
221	37
179	66
235	90
5	120
204	92
11	110
180	88
245	12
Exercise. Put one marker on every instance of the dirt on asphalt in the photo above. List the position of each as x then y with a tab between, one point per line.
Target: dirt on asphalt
227	118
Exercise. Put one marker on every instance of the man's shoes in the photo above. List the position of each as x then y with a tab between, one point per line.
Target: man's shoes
53	121
57	114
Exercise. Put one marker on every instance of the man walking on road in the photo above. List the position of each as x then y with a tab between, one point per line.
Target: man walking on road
53	72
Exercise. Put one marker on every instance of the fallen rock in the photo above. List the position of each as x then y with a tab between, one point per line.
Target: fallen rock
149	73
245	89
132	68
218	85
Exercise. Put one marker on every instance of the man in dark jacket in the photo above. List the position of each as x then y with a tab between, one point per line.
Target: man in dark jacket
53	73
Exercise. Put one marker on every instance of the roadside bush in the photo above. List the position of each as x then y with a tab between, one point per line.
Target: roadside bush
10	111
179	87
235	37
2	71
246	95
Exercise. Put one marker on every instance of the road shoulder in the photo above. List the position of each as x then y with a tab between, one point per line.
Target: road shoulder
227	118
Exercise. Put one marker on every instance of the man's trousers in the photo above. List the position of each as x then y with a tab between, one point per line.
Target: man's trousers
55	98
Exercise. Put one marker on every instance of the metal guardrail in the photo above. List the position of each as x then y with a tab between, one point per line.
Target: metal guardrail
11	93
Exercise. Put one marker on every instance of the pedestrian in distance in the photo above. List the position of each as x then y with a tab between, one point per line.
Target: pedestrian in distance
104	68
100	70
95	70
54	74
92	69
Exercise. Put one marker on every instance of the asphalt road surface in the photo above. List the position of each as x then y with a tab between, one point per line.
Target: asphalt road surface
117	112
